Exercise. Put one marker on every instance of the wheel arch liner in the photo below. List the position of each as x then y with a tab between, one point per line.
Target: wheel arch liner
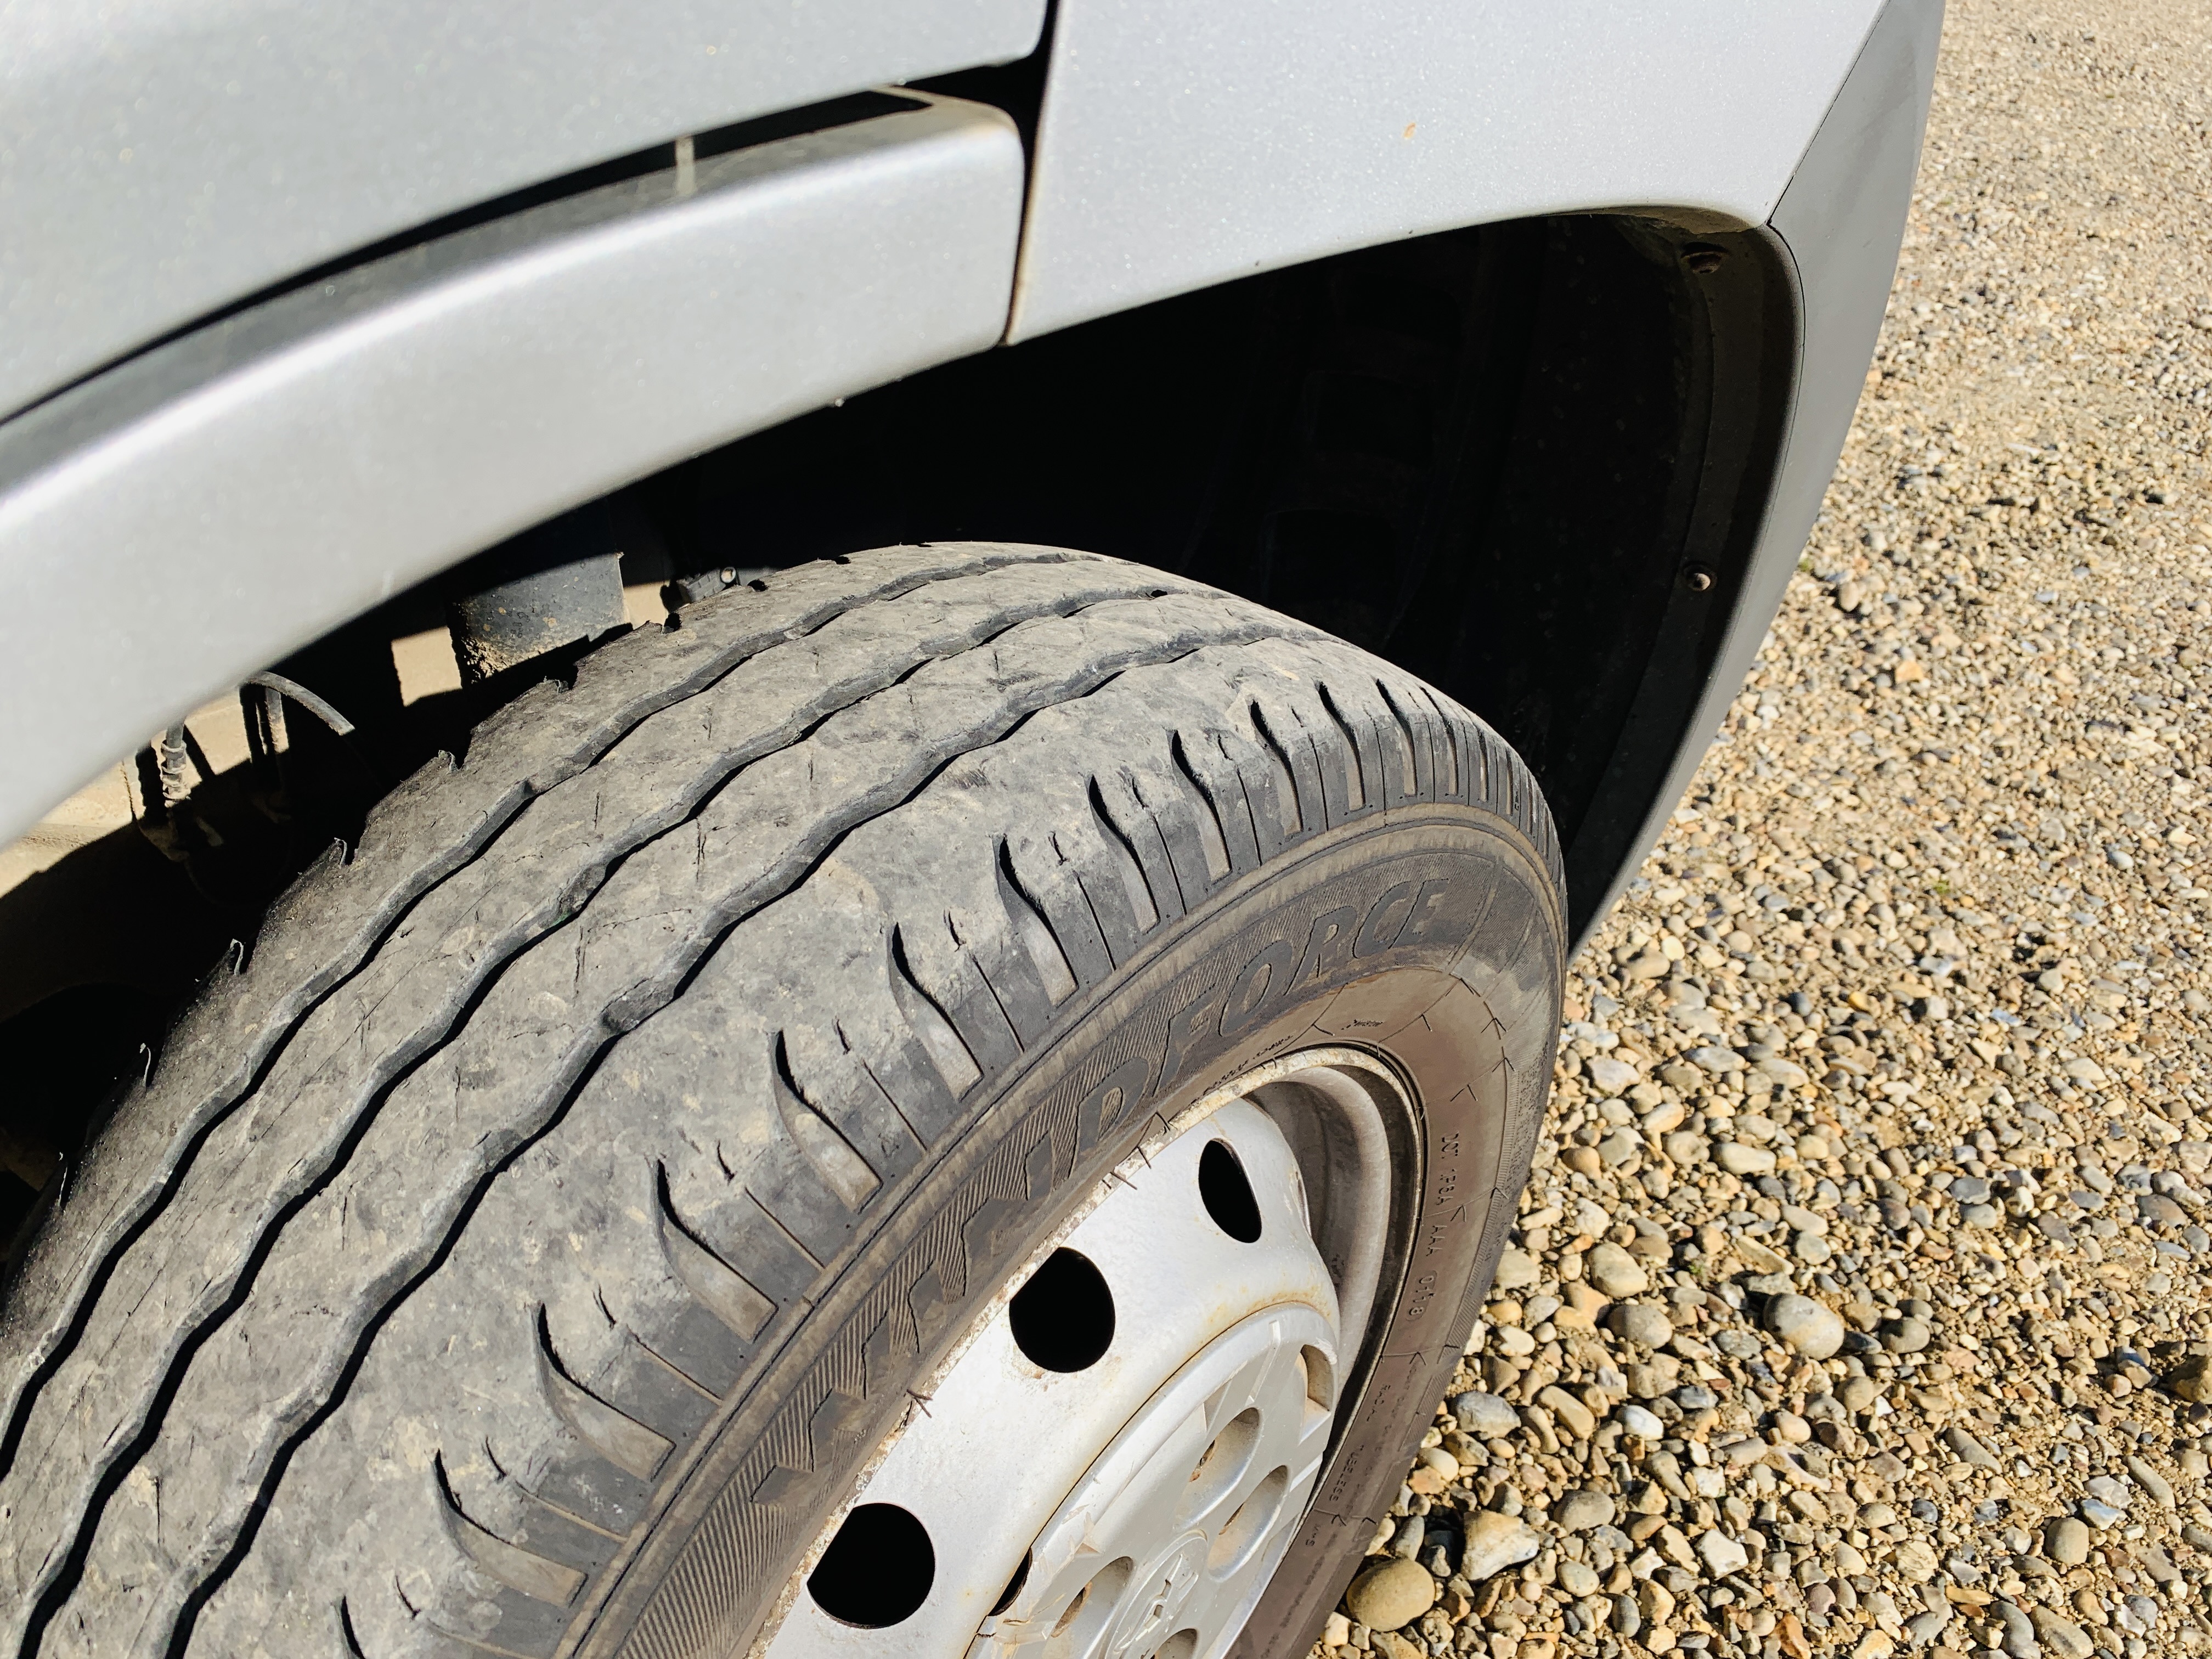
176	524
1840	226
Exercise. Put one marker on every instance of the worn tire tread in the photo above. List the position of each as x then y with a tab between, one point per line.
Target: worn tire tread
304	1176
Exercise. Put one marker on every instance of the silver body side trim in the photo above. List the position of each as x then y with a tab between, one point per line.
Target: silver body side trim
161	159
180	522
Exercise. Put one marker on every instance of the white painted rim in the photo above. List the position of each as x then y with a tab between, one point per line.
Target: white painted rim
1139	1506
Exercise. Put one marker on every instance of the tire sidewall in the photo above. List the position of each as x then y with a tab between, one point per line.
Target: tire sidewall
1431	936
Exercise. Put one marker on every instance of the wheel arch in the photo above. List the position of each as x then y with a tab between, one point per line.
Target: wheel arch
203	583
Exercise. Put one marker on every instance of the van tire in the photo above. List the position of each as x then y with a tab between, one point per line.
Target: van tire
522	1246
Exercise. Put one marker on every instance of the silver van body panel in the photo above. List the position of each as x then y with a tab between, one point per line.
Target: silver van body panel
196	512
162	159
1181	146
170	527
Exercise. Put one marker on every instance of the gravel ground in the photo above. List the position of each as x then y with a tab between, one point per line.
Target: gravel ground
1861	1297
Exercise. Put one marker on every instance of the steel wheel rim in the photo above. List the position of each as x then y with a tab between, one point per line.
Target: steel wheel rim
1140	1503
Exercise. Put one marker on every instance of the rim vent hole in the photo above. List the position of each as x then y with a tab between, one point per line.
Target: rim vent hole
1227	1194
1320	1376
877	1569
1063	1318
1094	1604
1014	1586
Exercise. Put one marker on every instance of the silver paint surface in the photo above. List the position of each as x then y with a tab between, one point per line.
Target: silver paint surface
1182	146
159	159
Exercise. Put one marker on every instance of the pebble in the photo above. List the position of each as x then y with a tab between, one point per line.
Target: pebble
1721	1553
1924	1627
1640	1421
1578	1578
1748	1451
1611	1076
1579	1511
1390	1594
2019	1633
1484	1415
1802	1220
1739	1158
1406	1542
1625	1620
1970	1451
1569	1413
2101	1516
1763	1262
2061	1637
1615	1272
1494	1542
1641	1322
2066	1541
2150	1480
2191	1380
1915	1562
1891	1030
1858	1393
1907	1335
1516	1271
1812	1328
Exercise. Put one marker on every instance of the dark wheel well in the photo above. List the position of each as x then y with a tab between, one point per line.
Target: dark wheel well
1525	461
